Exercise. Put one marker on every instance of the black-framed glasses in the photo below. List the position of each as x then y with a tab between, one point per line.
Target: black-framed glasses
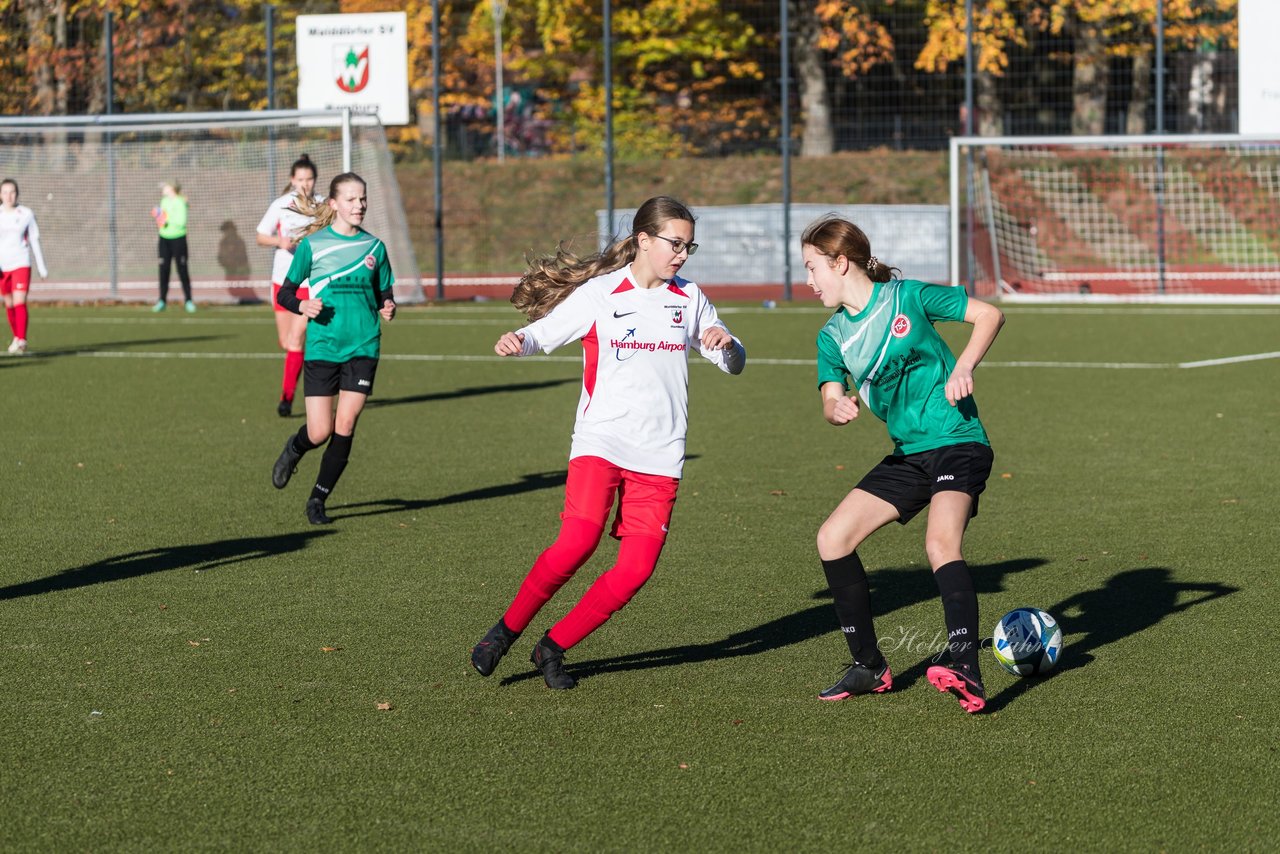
678	245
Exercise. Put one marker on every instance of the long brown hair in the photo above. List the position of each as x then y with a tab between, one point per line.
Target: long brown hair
834	236
551	278
321	212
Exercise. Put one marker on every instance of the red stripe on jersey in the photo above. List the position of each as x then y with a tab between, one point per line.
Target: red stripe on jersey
625	286
590	362
671	286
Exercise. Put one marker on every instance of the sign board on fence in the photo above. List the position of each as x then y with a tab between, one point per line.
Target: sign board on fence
358	62
1259	84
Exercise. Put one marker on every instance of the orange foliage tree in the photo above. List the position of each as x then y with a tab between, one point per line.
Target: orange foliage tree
1099	29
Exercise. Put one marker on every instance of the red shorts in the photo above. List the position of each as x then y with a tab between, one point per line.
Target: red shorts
644	505
15	280
275	289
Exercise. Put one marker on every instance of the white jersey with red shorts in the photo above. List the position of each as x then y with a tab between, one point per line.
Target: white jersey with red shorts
280	219
20	244
634	406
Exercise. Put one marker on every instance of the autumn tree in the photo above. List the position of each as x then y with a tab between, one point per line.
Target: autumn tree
1100	31
996	28
833	37
675	64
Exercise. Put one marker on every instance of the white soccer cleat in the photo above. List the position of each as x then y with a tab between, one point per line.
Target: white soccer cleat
13	346
19	346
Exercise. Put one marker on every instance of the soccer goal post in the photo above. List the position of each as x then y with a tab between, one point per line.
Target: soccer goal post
93	180
1117	217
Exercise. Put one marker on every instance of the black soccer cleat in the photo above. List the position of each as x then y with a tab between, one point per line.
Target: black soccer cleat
860	679
316	514
495	643
963	682
285	408
548	657
286	465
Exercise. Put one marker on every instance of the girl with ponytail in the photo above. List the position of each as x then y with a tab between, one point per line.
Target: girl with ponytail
637	320
880	347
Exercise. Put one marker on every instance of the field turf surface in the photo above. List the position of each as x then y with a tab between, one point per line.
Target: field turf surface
187	664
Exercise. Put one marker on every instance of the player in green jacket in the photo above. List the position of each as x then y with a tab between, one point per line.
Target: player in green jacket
350	289
881	344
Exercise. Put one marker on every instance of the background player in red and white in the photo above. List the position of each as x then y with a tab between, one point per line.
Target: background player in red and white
19	244
281	229
636	320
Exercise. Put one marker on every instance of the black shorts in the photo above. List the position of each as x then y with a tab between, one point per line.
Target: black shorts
324	379
908	483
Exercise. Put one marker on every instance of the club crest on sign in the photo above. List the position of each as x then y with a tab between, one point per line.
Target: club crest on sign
351	66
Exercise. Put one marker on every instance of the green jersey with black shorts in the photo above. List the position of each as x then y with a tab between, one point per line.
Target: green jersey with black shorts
349	275
899	364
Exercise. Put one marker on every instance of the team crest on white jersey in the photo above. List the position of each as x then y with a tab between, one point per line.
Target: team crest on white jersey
901	326
677	316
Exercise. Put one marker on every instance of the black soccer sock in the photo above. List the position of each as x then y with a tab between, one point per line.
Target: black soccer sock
331	466
960	609
302	441
849	589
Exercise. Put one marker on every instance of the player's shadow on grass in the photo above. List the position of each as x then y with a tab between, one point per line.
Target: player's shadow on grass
473	391
35	356
527	483
891	589
201	556
1128	604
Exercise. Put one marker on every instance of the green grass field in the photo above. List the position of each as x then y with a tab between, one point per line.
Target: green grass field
186	664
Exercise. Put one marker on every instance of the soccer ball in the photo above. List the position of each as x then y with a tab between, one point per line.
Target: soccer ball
1027	642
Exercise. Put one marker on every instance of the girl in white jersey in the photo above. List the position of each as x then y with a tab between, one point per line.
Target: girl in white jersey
636	320
19	244
881	341
281	228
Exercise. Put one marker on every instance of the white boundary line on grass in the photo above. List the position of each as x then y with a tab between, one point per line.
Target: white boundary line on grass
428	357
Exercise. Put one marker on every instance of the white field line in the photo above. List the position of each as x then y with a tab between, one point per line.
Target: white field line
497	316
510	321
430	357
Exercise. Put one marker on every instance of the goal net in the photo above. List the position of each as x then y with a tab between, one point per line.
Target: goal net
1127	217
92	182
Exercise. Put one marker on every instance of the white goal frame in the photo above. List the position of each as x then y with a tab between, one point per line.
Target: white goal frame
975	210
91	181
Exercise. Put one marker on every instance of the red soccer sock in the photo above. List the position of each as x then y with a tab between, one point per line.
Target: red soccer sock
13	320
292	368
20	317
577	540
637	557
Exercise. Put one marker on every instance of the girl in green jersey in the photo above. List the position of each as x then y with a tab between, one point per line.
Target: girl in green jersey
881	343
349	290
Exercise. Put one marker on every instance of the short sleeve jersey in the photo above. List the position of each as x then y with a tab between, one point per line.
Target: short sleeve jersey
174	222
899	364
634	406
282	219
347	274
